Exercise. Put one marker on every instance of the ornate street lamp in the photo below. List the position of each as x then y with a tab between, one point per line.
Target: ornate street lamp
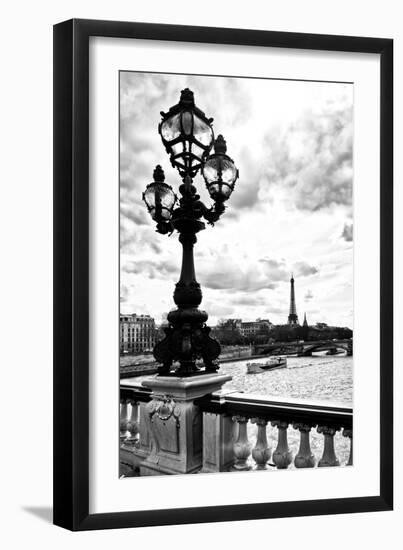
159	199
188	138
220	172
187	134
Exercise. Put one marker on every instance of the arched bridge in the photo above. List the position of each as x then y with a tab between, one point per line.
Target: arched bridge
305	349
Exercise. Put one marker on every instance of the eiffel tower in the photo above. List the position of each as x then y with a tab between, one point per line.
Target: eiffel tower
292	317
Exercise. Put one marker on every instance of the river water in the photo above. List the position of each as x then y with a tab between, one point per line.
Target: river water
320	378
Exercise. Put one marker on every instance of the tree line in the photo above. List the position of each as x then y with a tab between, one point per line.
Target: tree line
231	335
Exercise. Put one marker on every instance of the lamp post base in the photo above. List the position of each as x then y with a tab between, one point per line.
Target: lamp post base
187	338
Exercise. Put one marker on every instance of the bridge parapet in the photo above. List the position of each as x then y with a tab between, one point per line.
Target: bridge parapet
237	428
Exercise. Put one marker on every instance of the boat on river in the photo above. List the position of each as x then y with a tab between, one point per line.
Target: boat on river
278	362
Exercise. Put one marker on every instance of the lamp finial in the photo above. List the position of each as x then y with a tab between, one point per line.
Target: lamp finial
158	174
187	97
220	145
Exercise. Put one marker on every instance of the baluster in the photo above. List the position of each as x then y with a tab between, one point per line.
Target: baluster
133	424
329	457
123	419
261	451
304	458
349	434
242	447
282	456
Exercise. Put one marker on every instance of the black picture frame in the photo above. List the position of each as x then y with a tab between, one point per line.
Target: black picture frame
71	273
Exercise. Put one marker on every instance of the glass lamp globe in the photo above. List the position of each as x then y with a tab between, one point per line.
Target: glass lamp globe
187	135
219	172
159	197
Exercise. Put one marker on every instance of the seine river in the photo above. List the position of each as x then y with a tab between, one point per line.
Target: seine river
320	378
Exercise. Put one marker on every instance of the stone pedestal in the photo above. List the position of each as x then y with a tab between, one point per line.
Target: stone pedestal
175	424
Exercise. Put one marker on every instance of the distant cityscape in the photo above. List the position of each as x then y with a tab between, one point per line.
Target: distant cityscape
139	333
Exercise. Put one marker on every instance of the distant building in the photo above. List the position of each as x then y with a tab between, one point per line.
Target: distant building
305	323
232	325
252	328
236	331
292	317
136	333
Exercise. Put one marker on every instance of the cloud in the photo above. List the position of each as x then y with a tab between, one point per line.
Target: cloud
222	278
223	273
222	270
250	300
154	269
303	269
124	293
310	161
276	270
139	240
218	309
347	233
246	191
136	213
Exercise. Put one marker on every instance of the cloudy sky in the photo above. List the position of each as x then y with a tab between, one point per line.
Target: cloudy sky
291	210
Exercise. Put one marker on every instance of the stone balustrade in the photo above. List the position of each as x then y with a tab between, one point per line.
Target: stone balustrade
244	432
134	443
251	447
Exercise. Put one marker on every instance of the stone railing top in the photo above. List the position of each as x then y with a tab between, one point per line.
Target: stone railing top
230	402
289	410
135	390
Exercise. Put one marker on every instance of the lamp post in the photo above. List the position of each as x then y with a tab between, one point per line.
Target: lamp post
188	137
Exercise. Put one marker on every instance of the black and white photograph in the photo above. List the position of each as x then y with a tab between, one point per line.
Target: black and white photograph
236	274
201	268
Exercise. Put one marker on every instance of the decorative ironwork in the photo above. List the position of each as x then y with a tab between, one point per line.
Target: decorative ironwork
159	197
220	172
188	136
